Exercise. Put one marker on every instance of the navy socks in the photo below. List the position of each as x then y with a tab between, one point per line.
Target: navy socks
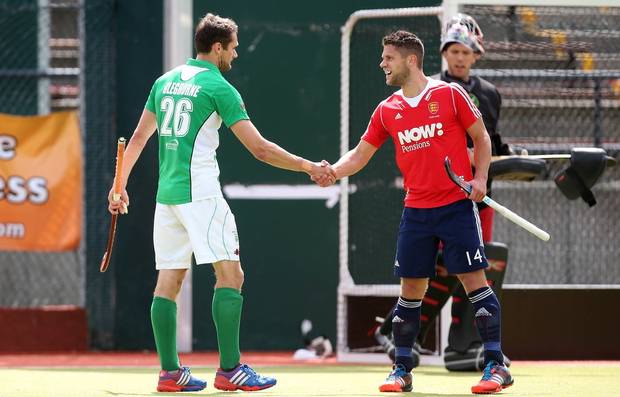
488	321
406	326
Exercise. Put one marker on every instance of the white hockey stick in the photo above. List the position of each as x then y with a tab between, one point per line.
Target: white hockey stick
508	214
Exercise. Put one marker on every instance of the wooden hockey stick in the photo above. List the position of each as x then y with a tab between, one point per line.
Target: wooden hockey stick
120	152
508	214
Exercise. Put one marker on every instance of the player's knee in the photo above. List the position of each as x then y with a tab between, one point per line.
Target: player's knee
413	288
169	284
229	275
473	281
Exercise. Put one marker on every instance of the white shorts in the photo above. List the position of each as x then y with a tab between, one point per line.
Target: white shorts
206	227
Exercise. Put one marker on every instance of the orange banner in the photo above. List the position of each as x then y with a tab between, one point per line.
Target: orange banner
40	182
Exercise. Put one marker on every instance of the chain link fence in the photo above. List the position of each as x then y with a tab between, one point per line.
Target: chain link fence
558	71
59	55
40	73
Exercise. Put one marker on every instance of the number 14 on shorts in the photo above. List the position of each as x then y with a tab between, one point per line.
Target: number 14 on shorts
477	256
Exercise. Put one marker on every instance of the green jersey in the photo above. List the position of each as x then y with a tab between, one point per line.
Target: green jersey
190	103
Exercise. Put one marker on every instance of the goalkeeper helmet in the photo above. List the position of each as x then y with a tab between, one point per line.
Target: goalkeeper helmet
452	33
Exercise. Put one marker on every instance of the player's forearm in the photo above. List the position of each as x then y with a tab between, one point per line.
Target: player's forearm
276	156
349	164
482	156
147	125
132	153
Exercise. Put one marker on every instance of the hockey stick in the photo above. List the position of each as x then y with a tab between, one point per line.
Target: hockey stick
120	152
511	216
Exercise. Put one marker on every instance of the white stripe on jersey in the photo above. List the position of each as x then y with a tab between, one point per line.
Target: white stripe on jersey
467	98
439	84
381	113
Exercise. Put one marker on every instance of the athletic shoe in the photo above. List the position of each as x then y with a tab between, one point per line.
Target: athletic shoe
179	380
242	377
494	378
398	380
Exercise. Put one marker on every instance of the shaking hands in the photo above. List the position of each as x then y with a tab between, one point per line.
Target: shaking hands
323	174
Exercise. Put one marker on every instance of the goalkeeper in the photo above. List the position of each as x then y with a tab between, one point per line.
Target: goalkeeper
461	47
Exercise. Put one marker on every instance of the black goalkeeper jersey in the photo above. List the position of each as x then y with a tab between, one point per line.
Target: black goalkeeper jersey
488	100
486	97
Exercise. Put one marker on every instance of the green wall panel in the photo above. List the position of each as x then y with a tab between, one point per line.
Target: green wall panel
139	62
288	73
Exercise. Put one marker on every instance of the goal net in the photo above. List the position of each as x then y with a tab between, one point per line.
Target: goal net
558	71
371	201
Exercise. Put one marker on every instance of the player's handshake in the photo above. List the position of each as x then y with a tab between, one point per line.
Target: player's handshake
323	174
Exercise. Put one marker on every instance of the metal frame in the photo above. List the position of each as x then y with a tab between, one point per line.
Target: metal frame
43	55
347	286
178	20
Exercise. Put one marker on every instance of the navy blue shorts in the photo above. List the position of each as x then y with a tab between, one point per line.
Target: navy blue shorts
456	225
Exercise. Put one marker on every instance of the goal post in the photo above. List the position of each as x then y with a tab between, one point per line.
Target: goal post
385	19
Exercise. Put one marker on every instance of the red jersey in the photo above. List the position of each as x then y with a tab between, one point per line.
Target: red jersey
425	130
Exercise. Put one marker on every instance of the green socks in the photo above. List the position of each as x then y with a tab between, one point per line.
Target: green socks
164	321
226	311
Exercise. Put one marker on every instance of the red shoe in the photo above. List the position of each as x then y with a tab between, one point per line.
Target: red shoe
398	380
495	378
243	378
180	380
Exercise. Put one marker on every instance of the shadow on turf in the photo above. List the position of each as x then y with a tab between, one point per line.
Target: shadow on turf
111	393
274	392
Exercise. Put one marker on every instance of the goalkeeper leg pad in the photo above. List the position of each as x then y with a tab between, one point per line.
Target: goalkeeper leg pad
440	287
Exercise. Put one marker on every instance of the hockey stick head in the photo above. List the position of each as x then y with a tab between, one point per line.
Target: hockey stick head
455	178
105	261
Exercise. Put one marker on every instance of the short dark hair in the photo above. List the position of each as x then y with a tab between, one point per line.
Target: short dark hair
213	29
406	43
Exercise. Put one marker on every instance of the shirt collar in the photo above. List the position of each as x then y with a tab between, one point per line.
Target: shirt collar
202	64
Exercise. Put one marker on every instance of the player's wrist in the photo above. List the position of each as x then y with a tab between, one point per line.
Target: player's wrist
337	172
482	179
305	165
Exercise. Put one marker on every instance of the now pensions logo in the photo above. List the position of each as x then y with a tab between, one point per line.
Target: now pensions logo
422	132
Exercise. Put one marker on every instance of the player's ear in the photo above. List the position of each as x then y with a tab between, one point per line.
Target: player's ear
412	60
